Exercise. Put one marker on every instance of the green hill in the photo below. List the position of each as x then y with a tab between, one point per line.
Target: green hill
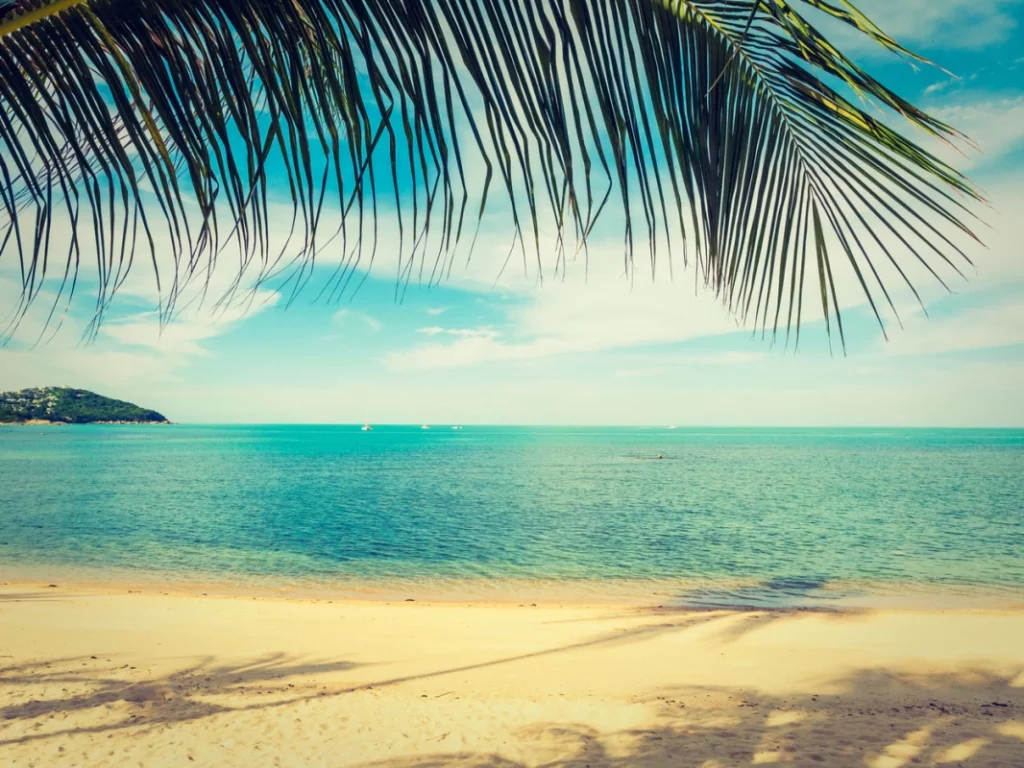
71	406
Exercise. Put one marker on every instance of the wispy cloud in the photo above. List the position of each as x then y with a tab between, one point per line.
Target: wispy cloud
573	318
729	357
185	336
133	357
995	124
936	23
682	360
937	88
435	311
988	327
473	333
640	373
345	316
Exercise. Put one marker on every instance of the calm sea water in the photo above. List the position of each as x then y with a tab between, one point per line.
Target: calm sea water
726	516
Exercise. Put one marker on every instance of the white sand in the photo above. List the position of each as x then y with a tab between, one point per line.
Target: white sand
101	679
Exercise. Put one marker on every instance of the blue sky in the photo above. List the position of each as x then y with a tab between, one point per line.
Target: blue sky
607	349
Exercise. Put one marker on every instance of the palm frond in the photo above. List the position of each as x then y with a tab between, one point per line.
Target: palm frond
728	125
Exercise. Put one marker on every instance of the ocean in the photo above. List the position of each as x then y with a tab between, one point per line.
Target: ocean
730	517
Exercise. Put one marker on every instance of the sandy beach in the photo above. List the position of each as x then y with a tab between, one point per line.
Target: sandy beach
94	678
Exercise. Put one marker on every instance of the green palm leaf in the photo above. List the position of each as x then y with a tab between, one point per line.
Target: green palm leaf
729	125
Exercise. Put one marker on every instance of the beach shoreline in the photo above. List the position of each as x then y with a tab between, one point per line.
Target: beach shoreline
93	677
668	595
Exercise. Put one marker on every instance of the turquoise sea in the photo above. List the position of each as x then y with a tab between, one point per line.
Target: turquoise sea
727	516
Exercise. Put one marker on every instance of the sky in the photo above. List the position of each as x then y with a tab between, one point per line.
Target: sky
596	346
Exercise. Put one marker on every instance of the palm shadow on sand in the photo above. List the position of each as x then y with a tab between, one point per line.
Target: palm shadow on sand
968	718
190	693
971	719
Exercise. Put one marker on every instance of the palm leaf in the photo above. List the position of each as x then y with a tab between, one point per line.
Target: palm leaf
727	125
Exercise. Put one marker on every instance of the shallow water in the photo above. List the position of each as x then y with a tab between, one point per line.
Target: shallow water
768	517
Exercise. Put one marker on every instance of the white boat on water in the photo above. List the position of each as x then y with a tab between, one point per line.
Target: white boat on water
425	426
456	427
367	428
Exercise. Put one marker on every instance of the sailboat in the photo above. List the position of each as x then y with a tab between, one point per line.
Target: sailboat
367	428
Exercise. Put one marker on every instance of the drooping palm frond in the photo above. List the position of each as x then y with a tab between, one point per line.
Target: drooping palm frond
727	124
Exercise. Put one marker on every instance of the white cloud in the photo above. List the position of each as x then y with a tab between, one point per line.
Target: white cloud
986	327
690	359
573	317
724	358
605	313
936	23
791	392
640	373
474	333
183	336
938	87
995	124
434	311
132	357
343	316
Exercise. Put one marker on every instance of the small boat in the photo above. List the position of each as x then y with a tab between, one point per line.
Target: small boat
425	426
456	427
367	428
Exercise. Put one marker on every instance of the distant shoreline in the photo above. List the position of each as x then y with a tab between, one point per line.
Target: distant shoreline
35	423
42	406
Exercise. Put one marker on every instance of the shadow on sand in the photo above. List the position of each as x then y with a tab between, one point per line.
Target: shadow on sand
875	718
91	684
879	718
29	597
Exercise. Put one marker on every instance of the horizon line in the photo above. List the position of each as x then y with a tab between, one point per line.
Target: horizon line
440	424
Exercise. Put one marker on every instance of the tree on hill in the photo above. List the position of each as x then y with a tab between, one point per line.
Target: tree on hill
71	406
